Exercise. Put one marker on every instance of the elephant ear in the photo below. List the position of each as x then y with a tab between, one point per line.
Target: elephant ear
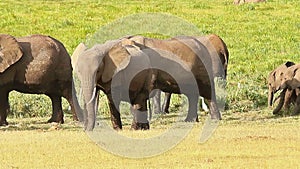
117	59
79	49
10	51
289	64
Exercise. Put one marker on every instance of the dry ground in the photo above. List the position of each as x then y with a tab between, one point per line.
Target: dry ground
239	142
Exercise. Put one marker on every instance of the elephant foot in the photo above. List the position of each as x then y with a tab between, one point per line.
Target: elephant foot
61	121
276	113
140	126
157	111
3	123
190	118
75	118
166	112
216	116
117	127
295	114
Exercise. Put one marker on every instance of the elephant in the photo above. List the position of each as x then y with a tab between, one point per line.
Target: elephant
98	66
196	55
214	44
108	67
36	64
275	80
290	86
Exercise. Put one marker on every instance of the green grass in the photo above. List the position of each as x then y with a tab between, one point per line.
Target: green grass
259	37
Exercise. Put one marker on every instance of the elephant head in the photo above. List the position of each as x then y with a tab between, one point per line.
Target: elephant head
10	51
291	78
275	79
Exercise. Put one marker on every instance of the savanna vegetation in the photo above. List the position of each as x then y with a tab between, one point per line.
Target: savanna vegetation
259	38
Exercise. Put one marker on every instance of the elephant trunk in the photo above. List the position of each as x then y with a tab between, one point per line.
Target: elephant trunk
270	97
89	93
281	102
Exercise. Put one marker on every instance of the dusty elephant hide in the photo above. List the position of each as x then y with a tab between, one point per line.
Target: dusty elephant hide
35	64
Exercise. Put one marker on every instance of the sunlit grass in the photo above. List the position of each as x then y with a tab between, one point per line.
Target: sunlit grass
239	144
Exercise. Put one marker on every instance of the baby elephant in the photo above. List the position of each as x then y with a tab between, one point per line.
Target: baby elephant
290	84
275	80
35	64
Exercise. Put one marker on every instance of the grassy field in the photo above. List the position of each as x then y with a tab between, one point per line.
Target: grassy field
236	144
259	37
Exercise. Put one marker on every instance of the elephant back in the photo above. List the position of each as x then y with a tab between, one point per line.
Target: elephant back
10	51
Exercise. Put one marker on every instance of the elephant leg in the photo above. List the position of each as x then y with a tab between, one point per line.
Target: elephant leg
70	95
156	102
166	104
114	112
214	110
287	99
139	109
4	108
281	102
297	104
192	112
57	113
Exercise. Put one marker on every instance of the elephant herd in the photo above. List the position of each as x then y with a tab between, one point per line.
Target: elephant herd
126	69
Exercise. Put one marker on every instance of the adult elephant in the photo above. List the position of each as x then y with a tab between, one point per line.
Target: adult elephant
275	80
35	64
194	57
290	86
216	46
113	68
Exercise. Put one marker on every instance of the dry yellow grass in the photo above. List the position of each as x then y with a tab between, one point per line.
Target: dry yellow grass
252	144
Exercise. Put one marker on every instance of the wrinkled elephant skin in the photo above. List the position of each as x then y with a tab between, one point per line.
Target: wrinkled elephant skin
36	64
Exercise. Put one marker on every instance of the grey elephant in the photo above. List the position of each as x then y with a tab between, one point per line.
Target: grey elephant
275	80
216	46
193	56
110	67
35	64
290	86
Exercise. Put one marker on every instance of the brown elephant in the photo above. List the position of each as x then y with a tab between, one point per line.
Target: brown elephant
113	68
290	86
214	44
275	80
199	61
35	64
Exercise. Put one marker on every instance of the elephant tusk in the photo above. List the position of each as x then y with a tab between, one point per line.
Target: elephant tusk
93	96
80	94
